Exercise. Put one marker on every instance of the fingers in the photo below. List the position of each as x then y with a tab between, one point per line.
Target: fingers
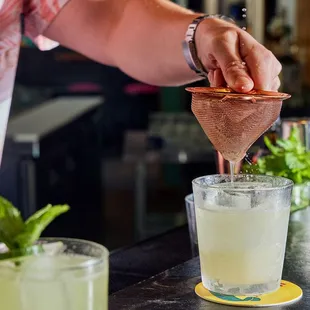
219	80
276	83
263	66
234	69
243	62
211	77
216	78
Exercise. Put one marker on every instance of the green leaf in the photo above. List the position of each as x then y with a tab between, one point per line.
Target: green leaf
261	164
36	224
294	138
306	174
286	145
250	169
297	177
273	149
11	223
294	162
289	158
20	236
295	134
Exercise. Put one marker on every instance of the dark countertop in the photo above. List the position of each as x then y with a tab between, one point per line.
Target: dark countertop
148	258
173	289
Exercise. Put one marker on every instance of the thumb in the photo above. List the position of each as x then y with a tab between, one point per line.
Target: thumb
234	69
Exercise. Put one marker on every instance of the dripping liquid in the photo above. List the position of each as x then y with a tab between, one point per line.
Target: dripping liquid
248	160
232	171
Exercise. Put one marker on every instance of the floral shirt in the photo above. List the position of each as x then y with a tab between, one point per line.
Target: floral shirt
38	14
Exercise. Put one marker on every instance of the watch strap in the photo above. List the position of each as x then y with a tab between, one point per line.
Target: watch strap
189	46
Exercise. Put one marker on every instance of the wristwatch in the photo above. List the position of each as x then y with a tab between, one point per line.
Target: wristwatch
189	46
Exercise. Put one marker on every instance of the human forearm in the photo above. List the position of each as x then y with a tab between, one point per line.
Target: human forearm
144	39
147	42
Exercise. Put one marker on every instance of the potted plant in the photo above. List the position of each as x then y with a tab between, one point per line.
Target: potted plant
287	158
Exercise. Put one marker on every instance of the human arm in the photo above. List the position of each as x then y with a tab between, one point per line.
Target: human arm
143	38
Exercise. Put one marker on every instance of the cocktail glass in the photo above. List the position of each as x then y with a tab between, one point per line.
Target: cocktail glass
242	230
71	274
191	220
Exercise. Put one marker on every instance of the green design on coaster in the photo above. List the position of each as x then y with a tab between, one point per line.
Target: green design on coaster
288	293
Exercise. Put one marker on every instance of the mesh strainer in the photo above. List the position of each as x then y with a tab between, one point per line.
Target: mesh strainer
234	121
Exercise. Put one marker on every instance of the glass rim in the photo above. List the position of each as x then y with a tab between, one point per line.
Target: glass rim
36	250
189	198
287	183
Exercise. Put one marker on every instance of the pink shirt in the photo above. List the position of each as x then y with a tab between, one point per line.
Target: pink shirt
38	15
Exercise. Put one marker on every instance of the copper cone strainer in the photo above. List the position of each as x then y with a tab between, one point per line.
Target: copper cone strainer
234	121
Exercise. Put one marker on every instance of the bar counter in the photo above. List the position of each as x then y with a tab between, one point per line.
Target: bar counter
173	287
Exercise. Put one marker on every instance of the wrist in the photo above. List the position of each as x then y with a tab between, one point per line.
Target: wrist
199	32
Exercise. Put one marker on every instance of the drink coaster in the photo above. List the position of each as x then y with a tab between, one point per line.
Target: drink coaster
288	293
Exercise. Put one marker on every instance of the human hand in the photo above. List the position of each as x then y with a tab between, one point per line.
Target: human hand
233	57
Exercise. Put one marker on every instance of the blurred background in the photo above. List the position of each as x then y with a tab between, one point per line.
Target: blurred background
120	152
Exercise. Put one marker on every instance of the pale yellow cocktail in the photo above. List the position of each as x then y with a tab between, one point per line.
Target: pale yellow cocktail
74	277
242	230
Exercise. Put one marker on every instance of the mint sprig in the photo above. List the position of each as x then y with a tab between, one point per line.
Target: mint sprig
288	158
18	234
11	223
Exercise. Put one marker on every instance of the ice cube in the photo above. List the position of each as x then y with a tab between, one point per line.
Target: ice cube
41	267
54	248
233	198
41	283
242	195
241	201
244	185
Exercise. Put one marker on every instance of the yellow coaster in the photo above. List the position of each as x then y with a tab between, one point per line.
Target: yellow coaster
287	293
